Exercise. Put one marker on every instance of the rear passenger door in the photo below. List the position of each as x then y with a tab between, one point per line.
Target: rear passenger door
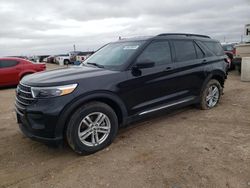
189	66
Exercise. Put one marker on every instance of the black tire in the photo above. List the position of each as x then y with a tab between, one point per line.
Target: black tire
203	102
66	62
73	126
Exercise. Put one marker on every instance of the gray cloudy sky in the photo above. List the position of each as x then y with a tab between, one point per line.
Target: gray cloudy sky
30	27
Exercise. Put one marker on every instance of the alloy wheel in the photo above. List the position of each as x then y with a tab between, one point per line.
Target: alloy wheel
94	129
212	97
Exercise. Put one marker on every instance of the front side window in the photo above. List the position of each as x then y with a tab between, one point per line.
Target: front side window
184	50
157	52
114	55
8	63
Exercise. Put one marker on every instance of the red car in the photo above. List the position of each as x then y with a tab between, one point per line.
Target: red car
12	70
229	50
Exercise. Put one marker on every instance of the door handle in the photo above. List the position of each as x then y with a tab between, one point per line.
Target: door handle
168	68
204	61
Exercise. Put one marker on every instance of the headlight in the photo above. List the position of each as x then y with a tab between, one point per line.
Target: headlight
45	92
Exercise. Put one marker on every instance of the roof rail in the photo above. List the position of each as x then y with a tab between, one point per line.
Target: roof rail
184	34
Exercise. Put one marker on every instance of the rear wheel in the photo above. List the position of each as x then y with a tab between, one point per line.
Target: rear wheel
210	95
92	128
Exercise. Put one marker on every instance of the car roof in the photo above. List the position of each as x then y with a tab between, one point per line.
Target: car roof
169	36
12	58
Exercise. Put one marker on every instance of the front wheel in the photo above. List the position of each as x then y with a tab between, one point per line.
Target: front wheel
210	95
92	128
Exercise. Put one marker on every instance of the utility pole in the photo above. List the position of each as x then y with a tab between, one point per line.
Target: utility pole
74	46
224	39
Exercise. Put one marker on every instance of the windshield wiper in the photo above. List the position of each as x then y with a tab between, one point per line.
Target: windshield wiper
95	64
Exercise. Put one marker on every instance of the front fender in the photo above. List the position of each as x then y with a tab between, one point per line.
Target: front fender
82	99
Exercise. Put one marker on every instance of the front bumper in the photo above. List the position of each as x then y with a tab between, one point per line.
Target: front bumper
36	131
39	118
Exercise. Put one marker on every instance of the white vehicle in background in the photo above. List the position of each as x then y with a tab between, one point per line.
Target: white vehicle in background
63	59
77	57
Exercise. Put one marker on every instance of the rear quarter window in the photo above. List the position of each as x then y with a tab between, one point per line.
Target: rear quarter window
215	47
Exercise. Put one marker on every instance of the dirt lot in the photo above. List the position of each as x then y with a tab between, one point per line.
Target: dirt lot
187	148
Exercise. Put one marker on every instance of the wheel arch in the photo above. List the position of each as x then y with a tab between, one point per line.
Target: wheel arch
217	75
105	97
219	78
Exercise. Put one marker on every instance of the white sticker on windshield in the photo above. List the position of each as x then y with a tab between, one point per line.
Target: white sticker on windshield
131	47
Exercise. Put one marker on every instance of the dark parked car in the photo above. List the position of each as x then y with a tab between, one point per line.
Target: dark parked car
121	82
12	70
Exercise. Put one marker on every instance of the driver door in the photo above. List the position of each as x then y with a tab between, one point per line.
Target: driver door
151	86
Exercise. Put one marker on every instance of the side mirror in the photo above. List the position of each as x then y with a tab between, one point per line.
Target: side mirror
144	65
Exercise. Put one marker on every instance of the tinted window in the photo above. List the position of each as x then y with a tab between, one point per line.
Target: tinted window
7	63
157	52
215	47
184	50
199	52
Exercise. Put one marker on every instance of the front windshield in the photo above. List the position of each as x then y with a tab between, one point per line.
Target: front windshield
114	55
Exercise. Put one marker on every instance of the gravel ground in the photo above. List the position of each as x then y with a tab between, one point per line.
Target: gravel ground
185	148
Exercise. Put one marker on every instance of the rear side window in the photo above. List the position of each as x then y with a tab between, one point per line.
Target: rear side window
184	50
215	47
157	52
8	63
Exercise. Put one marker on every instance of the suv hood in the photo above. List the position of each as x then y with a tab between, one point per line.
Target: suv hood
63	76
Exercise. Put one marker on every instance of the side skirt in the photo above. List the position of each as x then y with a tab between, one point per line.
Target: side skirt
167	105
173	105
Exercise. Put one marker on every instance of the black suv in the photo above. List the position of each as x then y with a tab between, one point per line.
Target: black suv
122	81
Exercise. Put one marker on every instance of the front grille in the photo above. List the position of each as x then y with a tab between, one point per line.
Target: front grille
23	98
